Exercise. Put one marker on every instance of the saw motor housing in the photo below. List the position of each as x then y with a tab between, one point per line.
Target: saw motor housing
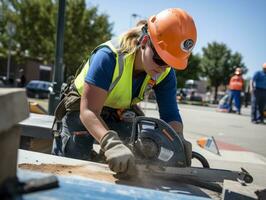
155	142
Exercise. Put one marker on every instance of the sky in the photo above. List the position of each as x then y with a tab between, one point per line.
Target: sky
240	24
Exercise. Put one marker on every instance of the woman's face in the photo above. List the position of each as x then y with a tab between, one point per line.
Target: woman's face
150	67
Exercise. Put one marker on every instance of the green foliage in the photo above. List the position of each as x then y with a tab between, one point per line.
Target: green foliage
192	71
36	22
84	30
218	64
35	25
3	33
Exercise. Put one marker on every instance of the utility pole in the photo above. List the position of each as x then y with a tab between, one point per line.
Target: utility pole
58	66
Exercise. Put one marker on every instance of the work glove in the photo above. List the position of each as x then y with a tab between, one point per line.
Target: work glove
118	156
188	151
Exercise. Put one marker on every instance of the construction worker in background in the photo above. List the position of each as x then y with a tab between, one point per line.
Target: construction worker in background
235	87
258	95
116	78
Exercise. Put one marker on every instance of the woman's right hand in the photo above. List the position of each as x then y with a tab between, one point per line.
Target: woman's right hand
119	157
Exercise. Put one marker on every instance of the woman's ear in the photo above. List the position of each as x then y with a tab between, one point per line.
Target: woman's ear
144	41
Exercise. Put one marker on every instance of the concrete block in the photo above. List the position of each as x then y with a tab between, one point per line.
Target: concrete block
9	144
38	126
14	108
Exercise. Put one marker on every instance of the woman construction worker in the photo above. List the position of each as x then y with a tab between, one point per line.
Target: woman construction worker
116	78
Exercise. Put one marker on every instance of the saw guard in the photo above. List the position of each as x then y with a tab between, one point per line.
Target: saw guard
171	151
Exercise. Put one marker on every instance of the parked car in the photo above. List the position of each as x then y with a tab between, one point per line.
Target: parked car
39	89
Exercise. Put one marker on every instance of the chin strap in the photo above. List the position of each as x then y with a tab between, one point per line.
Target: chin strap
144	32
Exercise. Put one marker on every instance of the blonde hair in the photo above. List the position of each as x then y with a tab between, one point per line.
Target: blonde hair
130	39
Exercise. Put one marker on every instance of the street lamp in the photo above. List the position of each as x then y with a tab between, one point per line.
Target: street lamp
134	16
11	30
54	98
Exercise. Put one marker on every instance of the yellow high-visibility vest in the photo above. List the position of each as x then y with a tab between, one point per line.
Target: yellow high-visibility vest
120	91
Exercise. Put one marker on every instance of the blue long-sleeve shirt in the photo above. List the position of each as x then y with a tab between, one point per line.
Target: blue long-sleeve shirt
259	80
100	73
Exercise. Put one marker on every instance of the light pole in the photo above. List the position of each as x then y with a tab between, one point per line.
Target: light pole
134	16
11	30
54	98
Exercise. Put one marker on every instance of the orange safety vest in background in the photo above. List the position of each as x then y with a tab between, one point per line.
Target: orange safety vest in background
236	83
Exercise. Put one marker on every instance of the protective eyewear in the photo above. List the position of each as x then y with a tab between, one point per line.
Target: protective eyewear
156	58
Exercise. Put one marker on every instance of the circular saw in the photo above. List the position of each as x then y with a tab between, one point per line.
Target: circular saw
155	142
159	151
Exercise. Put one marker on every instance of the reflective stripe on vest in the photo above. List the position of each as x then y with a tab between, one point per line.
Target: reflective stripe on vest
120	91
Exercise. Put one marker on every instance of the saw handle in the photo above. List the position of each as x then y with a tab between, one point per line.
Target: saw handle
201	158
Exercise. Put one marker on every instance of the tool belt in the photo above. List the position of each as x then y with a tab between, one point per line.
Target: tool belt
70	101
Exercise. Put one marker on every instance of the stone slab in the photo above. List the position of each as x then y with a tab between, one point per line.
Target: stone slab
14	107
62	166
37	126
9	143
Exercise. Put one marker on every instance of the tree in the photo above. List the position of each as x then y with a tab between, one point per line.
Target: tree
35	22
218	64
84	30
3	32
192	71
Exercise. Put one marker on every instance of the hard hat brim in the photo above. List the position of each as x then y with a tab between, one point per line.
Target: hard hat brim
175	62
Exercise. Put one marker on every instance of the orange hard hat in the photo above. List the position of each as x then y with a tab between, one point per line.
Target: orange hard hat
173	34
264	65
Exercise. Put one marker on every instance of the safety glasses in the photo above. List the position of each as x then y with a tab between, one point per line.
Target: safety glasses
156	58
